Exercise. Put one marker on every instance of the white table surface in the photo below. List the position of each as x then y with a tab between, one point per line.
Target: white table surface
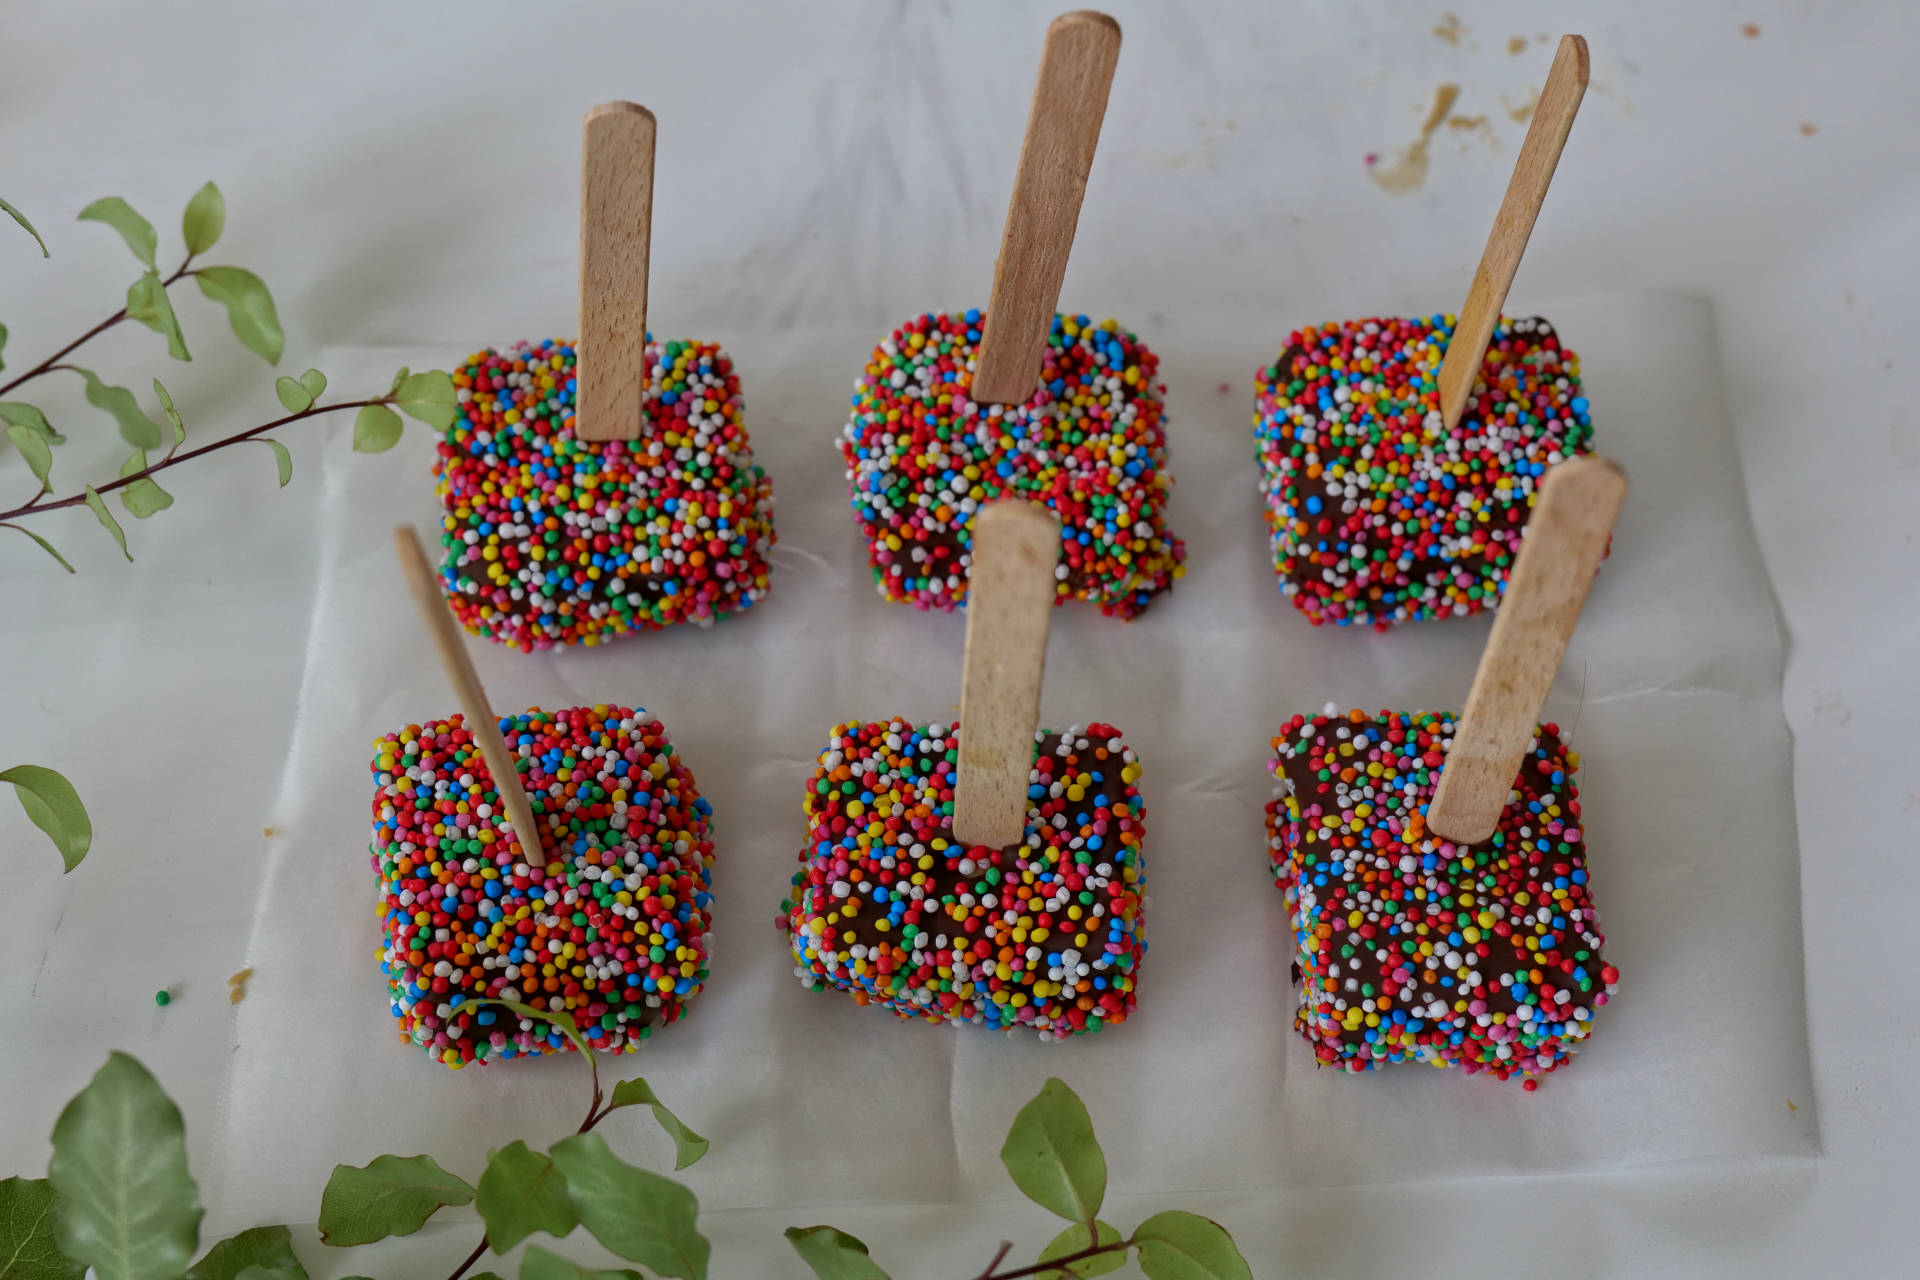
404	176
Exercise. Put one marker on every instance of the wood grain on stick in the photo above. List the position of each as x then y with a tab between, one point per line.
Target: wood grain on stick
1526	191
1010	593
1063	127
481	721
616	226
1565	540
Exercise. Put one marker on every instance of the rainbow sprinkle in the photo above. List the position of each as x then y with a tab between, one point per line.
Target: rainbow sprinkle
1046	936
608	924
551	540
1411	948
1090	444
1376	515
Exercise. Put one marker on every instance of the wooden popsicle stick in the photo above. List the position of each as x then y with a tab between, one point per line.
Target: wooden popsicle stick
1559	555
1010	593
481	721
1063	127
616	226
1526	191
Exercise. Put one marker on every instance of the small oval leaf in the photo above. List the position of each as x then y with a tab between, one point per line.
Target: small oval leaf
636	1213
521	1193
1177	1245
21	218
33	447
688	1146
281	459
136	428
537	1264
172	415
392	1196
134	229
833	1254
315	382
143	497
52	804
128	1207
1053	1156
98	506
249	307
430	397
18	413
376	429
292	395
49	548
148	303
204	220
1076	1239
259	1248
27	1248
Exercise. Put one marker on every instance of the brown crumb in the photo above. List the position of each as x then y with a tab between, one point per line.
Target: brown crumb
1806	129
1524	112
1450	29
1790	1105
1751	30
237	986
267	831
1516	45
1466	124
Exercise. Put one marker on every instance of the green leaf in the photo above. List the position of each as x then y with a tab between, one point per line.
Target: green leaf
376	429
521	1193
128	1207
45	546
1177	1245
204	220
1072	1241
136	428
21	218
27	1250
637	1214
134	229
18	413
538	1264
259	1248
99	508
688	1146
393	1196
295	1272
293	395
430	397
148	303
833	1254
314	381
249	308
398	378
143	497
281	459
1053	1156
172	414
51	802
33	447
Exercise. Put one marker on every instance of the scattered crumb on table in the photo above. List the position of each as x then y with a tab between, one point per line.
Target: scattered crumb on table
1408	172
1790	1105
237	986
266	831
1450	28
1751	30
1806	129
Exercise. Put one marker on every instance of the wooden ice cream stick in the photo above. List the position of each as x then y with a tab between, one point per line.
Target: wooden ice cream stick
481	721
1063	127
616	225
1526	191
1010	593
1566	537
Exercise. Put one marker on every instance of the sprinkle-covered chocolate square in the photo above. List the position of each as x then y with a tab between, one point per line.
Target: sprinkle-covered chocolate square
1411	948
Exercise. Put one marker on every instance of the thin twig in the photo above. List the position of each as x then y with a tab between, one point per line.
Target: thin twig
175	460
1006	1247
52	362
471	1259
1055	1264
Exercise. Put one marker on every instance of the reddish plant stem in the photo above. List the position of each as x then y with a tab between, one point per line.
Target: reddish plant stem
53	361
1090	1251
174	460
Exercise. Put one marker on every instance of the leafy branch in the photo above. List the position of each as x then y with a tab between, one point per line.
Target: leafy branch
427	396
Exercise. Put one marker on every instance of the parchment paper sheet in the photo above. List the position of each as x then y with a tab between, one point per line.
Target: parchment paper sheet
1672	683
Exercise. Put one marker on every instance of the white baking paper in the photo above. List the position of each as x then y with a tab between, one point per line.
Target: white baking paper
1672	685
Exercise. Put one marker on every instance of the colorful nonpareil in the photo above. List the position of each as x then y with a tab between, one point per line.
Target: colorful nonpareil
1410	948
1045	935
607	922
